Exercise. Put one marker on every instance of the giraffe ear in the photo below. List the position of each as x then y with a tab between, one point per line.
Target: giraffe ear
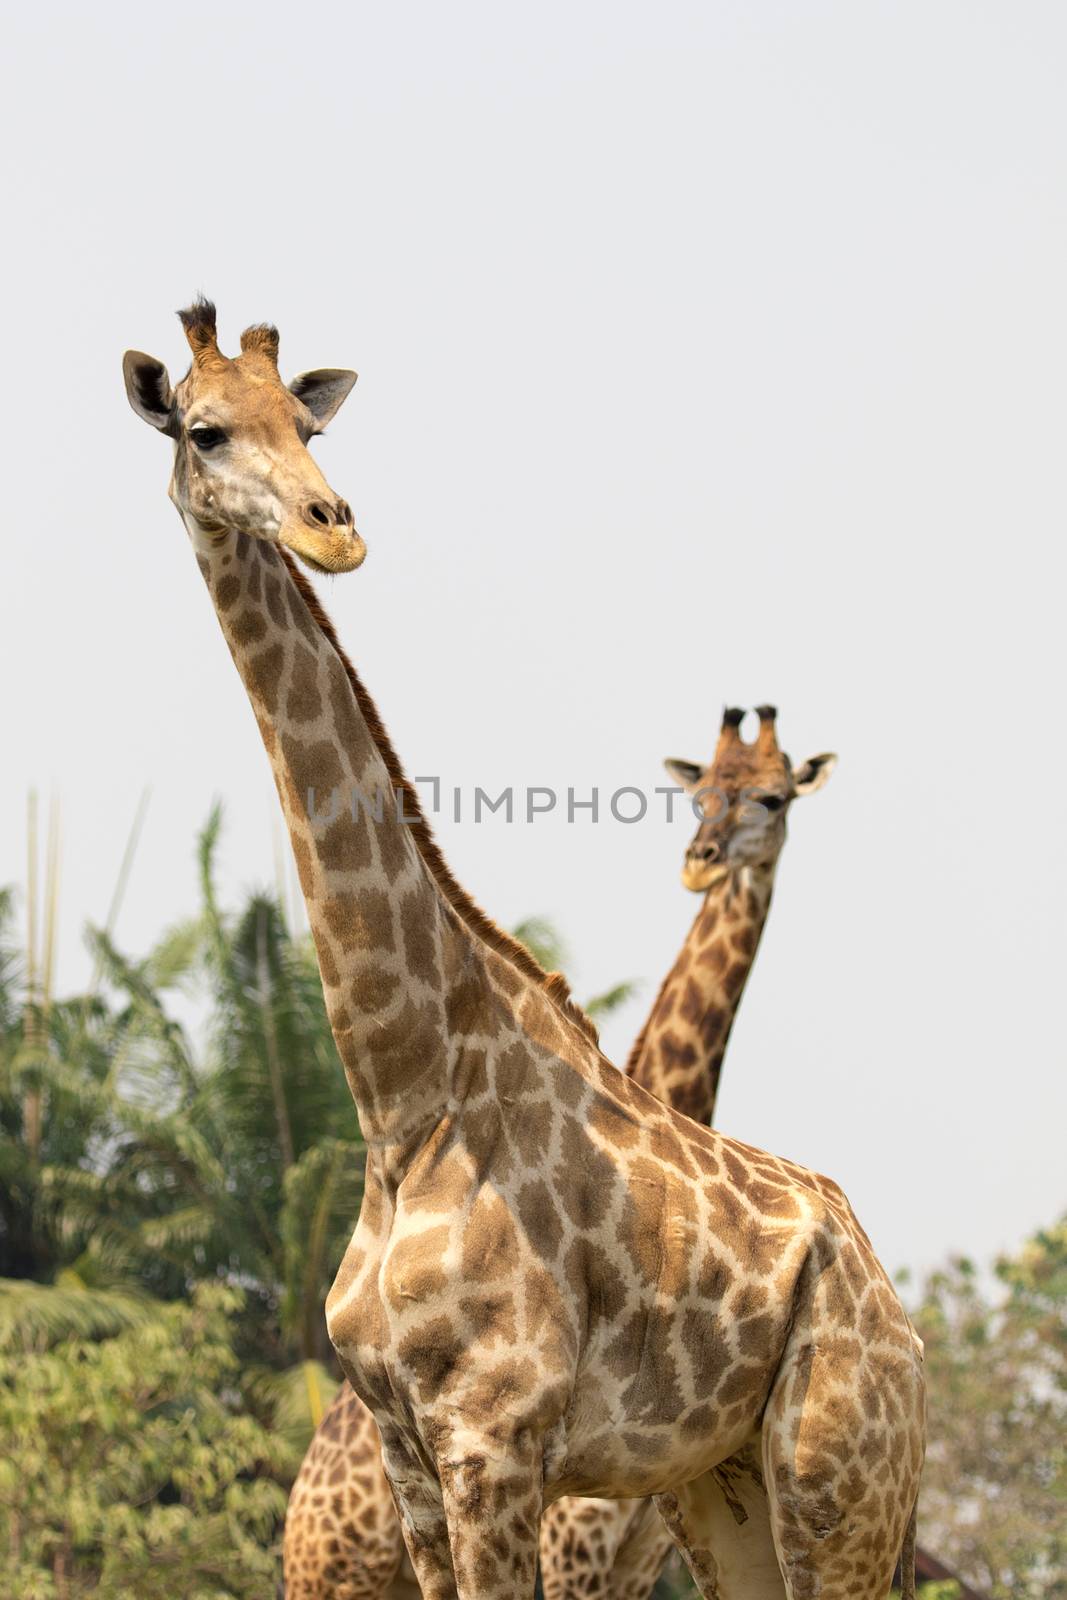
323	391
685	773
813	773
149	392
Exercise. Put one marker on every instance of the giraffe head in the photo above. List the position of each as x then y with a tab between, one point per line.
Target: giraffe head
744	797
241	457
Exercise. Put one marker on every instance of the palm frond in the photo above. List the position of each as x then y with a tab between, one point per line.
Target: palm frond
173	957
35	1316
544	942
295	1400
602	1005
323	1192
206	845
146	1017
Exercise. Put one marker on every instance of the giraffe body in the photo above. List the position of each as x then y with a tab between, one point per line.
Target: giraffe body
556	1284
743	1287
616	1547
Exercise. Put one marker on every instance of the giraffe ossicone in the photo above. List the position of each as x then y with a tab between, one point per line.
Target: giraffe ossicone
556	1284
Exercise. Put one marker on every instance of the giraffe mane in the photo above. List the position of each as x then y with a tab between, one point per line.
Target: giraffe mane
553	984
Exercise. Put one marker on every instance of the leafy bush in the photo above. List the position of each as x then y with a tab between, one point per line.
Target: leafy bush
130	1464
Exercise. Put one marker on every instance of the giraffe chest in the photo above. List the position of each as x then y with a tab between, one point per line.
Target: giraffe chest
627	1310
454	1313
461	1321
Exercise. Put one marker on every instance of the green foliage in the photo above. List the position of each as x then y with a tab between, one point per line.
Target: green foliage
188	1165
542	939
323	1190
602	1005
296	1400
140	1176
36	1316
947	1589
994	1500
129	1465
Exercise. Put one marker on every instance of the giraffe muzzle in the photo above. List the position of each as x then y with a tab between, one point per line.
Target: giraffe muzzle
702	869
325	537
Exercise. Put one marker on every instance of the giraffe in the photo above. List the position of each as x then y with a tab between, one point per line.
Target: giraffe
342	1534
617	1547
342	1539
556	1284
744	795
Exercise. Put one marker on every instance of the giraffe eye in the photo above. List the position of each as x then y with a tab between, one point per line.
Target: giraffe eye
771	802
207	438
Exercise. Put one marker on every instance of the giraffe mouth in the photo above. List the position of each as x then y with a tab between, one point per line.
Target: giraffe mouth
342	550
702	875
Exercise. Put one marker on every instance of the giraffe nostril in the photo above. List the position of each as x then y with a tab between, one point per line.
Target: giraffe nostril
316	511
344	511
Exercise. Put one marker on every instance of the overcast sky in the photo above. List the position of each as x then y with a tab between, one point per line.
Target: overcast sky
708	353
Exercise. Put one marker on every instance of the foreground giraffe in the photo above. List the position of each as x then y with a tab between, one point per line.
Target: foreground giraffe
557	1285
342	1536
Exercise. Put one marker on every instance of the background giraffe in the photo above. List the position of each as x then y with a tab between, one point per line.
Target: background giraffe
616	1547
746	793
342	1536
557	1285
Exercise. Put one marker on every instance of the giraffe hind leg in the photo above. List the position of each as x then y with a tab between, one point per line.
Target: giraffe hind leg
721	1524
580	1541
404	1584
842	1480
640	1556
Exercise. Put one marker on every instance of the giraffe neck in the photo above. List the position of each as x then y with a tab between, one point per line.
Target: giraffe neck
678	1054
388	943
403	951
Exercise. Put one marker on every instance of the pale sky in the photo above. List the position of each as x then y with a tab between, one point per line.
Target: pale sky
708	353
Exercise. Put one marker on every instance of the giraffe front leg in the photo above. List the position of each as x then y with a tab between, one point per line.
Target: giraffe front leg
470	1530
422	1521
491	1494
